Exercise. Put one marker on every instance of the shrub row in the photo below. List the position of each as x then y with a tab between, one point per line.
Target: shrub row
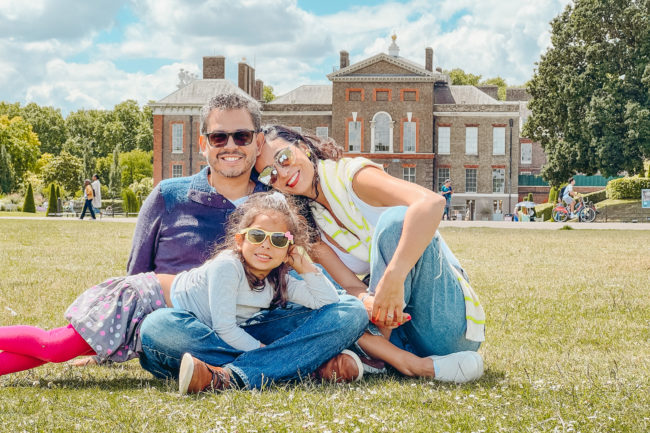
627	187
596	196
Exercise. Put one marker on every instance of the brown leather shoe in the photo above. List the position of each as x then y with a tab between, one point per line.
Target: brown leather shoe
344	367
196	376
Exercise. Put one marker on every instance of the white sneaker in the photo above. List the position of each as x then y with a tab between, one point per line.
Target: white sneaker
459	367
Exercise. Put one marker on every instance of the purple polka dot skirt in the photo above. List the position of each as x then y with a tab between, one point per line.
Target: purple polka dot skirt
108	316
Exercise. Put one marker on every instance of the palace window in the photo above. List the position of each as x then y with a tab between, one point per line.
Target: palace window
354	136
409	137
408	174
443	174
381	133
526	153
177	170
471	140
443	140
498	141
498	180
470	180
177	138
322	132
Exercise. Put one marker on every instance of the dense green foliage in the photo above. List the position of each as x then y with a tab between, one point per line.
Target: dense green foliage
590	93
129	201
115	175
85	134
6	171
29	205
552	194
136	165
545	210
596	196
268	94
627	187
21	143
65	170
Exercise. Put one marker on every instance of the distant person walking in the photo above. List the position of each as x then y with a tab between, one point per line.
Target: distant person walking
88	204
97	191
447	191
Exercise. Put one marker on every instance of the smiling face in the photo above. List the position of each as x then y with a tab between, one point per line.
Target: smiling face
294	170
263	258
230	161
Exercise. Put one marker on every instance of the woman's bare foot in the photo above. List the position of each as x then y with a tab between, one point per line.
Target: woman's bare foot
83	362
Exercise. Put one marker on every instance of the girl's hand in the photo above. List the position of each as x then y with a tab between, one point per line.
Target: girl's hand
298	259
388	303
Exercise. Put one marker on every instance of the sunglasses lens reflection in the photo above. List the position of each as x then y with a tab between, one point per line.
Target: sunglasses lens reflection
240	138
257	236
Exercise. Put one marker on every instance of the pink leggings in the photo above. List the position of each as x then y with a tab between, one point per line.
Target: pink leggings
25	347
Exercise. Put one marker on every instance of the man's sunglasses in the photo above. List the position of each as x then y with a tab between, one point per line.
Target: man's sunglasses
284	158
257	236
241	137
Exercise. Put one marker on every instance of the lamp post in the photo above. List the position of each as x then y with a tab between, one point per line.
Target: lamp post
510	170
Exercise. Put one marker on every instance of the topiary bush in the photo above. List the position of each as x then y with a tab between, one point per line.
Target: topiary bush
29	205
627	187
530	197
51	203
544	211
552	195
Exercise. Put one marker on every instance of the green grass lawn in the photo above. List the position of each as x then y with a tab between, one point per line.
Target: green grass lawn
568	347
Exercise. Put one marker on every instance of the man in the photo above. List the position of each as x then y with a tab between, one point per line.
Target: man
447	191
97	199
177	226
568	196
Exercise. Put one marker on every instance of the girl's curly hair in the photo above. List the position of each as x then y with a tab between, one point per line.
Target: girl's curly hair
266	203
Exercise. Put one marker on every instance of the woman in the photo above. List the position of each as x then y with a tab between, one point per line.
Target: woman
418	296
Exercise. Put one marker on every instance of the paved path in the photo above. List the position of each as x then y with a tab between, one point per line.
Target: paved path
490	224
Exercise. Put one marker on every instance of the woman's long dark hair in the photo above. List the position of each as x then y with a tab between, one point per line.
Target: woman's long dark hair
266	203
319	149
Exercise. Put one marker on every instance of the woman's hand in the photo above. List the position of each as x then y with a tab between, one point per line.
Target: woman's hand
388	303
298	259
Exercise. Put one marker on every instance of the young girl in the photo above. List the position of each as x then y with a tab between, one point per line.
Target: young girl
248	273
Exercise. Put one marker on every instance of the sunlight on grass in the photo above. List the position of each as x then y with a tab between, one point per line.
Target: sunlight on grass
567	348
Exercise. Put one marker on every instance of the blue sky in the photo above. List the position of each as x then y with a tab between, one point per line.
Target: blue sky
73	54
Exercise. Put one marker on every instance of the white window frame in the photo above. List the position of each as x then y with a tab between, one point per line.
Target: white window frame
322	132
176	167
441	178
499	174
298	129
467	171
528	153
471	140
444	140
177	137
354	145
498	140
391	124
408	174
410	136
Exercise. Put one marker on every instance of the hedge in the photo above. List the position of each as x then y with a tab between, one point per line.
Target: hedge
29	205
596	196
627	187
544	211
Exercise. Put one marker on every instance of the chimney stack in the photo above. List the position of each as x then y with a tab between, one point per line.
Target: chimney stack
428	59
245	77
214	67
259	90
345	59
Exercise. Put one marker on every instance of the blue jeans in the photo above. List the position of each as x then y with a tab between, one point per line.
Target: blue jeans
88	204
432	294
298	340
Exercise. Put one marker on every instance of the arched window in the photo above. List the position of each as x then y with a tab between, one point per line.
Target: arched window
381	132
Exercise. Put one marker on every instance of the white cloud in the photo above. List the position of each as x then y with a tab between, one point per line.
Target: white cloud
43	42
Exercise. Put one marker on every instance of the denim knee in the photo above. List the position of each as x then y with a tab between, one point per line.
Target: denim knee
352	313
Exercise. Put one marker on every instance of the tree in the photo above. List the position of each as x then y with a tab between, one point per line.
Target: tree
10	110
7	174
115	175
136	165
267	94
459	77
48	124
590	91
52	202
65	170
21	143
501	83
29	205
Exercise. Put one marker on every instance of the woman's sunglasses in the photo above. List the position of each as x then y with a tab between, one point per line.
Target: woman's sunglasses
257	236
283	158
241	137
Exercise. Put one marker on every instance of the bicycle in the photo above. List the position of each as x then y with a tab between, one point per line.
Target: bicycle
584	209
